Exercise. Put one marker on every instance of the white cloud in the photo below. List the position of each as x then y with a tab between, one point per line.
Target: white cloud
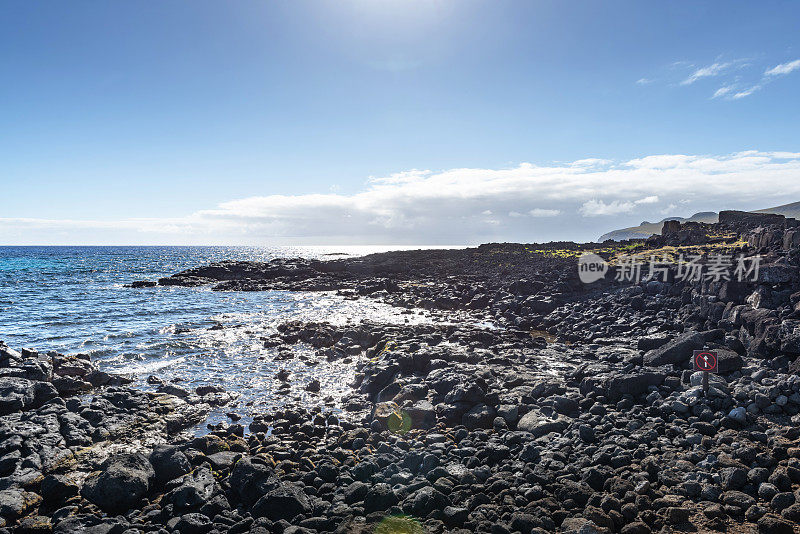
668	209
783	68
740	77
596	208
459	205
722	91
539	212
715	69
769	76
643	81
747	92
590	162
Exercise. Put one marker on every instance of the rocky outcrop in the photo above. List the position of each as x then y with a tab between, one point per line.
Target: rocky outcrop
57	447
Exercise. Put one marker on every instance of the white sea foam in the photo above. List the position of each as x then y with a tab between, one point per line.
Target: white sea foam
150	367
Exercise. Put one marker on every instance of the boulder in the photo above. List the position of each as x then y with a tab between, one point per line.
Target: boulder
56	489
172	389
379	497
423	414
539	424
355	492
728	361
122	482
249	480
679	350
283	502
193	523
789	334
614	385
169	463
772	524
481	416
68	385
18	394
776	273
196	489
426	500
9	357
16	503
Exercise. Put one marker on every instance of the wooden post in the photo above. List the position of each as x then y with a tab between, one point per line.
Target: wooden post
705	383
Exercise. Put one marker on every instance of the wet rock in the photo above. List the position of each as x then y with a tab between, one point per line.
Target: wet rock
204	390
172	389
68	385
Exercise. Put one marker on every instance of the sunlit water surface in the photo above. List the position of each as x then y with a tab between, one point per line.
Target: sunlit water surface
72	300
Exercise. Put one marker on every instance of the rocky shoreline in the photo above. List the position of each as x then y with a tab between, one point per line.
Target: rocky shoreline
574	410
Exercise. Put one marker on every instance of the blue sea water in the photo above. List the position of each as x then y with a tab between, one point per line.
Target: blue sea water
72	300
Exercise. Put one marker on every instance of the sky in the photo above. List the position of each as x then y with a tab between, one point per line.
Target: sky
389	121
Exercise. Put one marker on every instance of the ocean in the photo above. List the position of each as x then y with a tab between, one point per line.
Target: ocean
73	300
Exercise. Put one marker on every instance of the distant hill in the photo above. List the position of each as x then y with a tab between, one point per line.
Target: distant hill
787	210
646	229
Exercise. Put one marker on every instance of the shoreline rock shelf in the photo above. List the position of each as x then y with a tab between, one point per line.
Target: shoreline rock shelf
576	410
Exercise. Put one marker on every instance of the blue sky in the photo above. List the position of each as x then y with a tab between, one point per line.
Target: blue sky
383	121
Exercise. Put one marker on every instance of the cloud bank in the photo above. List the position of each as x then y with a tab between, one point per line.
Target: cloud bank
575	200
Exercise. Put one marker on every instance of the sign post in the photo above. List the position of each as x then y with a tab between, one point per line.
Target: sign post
706	361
